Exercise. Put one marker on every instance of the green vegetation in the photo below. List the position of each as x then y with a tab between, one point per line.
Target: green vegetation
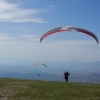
20	89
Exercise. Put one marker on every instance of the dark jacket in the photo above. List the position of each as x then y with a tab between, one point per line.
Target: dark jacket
66	74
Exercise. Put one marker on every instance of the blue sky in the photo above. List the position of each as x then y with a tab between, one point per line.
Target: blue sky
22	22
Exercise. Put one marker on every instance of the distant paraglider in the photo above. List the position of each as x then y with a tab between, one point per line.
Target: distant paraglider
69	28
39	63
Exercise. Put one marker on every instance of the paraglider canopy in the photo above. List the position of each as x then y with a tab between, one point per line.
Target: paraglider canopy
68	28
39	63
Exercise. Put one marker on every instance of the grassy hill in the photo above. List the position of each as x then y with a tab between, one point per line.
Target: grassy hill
20	89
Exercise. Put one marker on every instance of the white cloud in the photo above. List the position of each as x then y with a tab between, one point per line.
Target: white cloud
24	37
4	37
14	13
29	37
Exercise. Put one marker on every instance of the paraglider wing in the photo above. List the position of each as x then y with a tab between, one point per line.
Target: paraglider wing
39	63
36	63
44	65
87	32
52	31
68	28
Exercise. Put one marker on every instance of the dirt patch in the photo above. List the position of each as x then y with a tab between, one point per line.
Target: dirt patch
5	94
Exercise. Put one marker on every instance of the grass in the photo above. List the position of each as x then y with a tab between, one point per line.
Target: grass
20	89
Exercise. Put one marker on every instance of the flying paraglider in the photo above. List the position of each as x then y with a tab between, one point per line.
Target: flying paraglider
39	63
66	29
69	28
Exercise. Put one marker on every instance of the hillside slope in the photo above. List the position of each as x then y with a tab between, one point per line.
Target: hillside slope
20	89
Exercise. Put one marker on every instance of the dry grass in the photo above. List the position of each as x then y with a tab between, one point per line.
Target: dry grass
19	89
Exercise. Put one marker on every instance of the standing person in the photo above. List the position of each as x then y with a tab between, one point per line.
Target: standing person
66	74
